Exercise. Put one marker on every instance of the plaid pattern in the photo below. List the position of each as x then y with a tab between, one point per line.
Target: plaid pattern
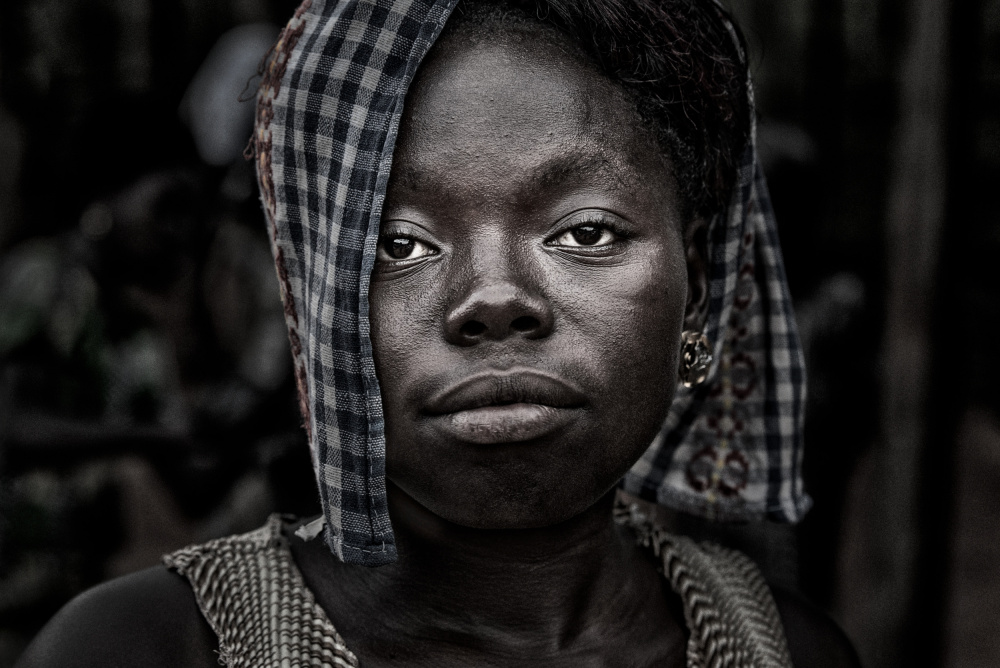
328	112
731	448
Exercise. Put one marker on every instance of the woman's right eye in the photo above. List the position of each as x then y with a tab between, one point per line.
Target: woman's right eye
397	247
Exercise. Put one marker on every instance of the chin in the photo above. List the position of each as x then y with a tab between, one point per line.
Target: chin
511	499
512	486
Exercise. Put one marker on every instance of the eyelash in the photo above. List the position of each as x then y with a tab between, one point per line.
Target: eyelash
382	248
593	220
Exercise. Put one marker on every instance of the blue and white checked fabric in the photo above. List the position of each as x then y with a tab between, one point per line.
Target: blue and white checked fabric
328	112
731	448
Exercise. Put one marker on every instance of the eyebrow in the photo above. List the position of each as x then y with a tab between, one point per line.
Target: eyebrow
549	174
560	169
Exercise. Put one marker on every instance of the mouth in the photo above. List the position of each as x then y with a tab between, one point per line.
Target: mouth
505	407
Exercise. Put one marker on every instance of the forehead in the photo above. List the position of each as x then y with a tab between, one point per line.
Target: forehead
520	104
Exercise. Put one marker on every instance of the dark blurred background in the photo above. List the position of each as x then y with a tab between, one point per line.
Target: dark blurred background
145	394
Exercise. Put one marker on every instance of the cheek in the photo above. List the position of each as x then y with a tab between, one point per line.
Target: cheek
629	326
401	323
631	318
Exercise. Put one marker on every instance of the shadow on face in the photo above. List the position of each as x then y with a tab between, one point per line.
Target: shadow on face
530	287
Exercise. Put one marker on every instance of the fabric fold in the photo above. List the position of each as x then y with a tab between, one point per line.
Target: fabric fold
328	113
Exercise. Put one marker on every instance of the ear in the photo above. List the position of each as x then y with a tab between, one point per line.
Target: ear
696	252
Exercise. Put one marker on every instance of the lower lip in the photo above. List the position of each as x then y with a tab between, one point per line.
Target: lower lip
510	423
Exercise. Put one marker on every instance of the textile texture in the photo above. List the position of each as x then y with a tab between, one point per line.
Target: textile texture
731	448
254	598
328	112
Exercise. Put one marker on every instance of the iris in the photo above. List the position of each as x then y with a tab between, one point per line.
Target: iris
587	235
400	248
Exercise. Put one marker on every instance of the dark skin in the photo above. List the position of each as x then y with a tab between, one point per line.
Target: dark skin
540	236
531	241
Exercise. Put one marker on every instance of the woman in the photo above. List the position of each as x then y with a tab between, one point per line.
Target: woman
493	292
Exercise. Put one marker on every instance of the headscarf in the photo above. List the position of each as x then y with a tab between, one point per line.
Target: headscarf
328	115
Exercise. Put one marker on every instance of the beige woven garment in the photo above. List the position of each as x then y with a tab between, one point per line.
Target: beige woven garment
728	608
255	600
253	596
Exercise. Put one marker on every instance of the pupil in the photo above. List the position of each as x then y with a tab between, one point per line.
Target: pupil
587	235
401	247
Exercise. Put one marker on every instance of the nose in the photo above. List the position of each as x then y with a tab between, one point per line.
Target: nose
495	307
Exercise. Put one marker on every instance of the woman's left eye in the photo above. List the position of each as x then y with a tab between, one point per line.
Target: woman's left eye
587	235
393	248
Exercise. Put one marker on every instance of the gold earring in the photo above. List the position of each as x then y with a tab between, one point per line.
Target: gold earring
696	357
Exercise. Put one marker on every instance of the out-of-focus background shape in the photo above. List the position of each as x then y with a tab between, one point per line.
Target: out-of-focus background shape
145	394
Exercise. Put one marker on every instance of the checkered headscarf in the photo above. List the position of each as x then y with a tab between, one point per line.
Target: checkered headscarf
328	113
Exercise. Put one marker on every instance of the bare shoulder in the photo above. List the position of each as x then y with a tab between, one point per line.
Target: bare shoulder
814	640
148	619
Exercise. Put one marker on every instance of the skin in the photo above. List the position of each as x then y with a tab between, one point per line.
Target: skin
506	149
508	555
508	551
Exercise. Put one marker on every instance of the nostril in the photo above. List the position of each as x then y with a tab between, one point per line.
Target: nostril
472	328
525	323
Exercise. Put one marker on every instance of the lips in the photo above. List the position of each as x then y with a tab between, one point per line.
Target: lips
505	407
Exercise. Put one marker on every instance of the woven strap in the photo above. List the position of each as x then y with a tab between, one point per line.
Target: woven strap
728	608
253	596
255	600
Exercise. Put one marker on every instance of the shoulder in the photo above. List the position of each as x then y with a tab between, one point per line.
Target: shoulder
814	640
148	619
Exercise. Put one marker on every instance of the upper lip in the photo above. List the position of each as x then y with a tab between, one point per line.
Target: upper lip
498	388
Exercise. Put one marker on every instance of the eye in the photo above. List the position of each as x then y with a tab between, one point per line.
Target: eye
591	232
588	234
399	247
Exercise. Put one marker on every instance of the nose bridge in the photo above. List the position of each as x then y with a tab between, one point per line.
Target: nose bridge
496	261
496	292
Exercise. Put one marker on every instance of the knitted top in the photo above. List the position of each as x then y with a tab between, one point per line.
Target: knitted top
254	598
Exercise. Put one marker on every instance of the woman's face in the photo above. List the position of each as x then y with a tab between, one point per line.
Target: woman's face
530	287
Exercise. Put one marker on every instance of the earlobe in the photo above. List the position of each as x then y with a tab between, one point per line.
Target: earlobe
696	254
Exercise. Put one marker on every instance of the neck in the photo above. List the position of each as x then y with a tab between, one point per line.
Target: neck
506	591
513	581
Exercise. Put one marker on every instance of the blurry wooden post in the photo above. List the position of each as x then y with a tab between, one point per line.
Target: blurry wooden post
881	611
